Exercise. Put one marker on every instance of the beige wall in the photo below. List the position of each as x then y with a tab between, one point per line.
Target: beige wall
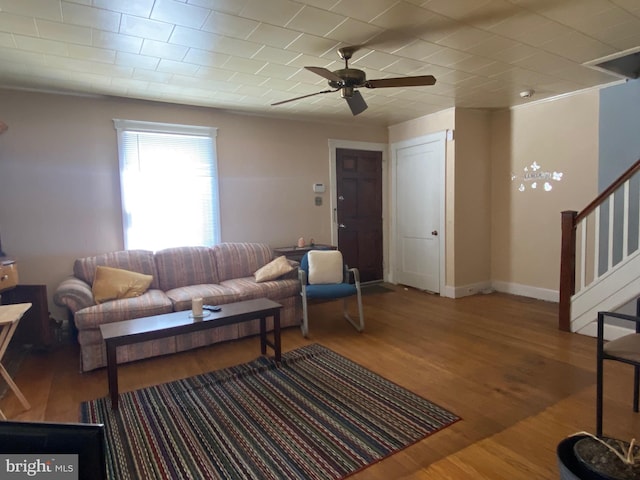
59	180
562	136
472	183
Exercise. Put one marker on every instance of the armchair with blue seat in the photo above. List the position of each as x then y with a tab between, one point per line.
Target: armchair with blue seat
324	276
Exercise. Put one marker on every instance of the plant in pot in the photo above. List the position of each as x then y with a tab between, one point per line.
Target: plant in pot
583	456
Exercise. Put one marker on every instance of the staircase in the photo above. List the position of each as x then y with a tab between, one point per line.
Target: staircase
600	257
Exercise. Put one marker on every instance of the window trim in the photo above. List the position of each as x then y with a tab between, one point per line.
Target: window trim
122	125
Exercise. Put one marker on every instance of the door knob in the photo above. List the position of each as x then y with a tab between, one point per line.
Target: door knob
342	225
434	233
340	198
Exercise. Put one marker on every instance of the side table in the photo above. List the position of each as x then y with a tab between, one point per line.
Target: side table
296	253
10	316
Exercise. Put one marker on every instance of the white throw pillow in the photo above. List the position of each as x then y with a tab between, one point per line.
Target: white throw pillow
325	266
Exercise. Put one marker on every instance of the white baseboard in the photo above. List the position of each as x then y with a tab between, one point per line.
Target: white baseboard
467	290
527	291
611	332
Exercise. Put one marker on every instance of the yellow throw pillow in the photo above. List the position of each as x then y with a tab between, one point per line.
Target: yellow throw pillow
113	283
274	269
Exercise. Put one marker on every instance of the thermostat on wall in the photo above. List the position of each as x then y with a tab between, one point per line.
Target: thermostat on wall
318	187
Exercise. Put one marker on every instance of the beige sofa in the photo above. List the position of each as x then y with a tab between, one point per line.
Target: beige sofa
220	274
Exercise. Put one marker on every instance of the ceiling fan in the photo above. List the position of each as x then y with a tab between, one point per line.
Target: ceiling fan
347	80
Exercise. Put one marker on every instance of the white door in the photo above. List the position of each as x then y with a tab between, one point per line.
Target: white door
419	212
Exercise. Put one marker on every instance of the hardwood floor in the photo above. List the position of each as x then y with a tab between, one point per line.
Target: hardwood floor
498	361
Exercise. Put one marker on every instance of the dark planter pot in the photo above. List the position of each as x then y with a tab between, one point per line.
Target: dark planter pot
573	468
569	465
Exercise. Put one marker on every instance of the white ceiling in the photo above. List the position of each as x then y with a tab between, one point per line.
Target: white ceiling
246	54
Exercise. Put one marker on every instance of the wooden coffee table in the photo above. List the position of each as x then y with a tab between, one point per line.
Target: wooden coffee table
138	330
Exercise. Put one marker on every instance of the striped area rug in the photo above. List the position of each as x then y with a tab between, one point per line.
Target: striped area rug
317	415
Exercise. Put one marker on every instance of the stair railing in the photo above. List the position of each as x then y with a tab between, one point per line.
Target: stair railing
581	247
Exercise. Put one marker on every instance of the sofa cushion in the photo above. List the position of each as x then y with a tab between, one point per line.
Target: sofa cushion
248	288
182	266
237	260
112	283
211	294
140	261
153	302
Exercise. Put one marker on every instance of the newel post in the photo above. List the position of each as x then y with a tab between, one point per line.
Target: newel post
567	269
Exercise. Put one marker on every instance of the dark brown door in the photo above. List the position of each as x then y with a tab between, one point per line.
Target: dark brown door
359	210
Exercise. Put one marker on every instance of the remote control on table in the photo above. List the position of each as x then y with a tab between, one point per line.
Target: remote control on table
211	308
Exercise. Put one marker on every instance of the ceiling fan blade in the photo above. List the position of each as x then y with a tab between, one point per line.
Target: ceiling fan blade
303	96
356	103
323	72
402	82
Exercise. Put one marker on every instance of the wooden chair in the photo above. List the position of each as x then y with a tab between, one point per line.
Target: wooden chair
324	276
625	349
10	315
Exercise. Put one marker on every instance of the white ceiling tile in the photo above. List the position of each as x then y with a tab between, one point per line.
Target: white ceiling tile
242	54
418	50
64	32
276	55
272	36
313	45
143	27
278	71
315	21
310	61
447	57
84	52
229	25
377	60
21	56
232	7
179	68
7	40
247	65
353	32
460	10
365	10
171	51
116	41
217	74
240	78
140	8
464	38
205	57
34	44
273	12
490	46
152	76
46	9
179	13
513	53
90	17
578	47
139	61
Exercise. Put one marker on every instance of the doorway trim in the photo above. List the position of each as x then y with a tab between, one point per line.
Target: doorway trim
412	142
334	144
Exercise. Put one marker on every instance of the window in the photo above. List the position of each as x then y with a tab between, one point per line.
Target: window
168	185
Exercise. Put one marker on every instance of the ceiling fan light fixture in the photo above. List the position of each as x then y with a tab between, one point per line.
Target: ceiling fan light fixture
348	80
346	92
